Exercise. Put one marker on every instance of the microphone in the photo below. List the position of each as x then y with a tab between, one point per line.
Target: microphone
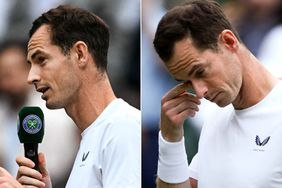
31	131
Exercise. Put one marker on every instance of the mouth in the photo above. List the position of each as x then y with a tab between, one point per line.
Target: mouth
214	97
42	89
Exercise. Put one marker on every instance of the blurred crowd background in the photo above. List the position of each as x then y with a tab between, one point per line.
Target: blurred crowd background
61	139
259	24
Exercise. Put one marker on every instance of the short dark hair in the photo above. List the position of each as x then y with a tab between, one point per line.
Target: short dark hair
202	20
70	24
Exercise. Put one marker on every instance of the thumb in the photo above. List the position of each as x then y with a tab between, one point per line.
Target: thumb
42	165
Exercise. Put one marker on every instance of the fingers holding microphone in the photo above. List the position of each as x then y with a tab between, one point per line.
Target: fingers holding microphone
30	177
44	172
177	105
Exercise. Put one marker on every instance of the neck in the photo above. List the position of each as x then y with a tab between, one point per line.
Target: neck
93	97
257	82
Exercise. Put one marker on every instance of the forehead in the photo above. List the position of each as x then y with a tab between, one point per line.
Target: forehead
184	54
185	45
40	39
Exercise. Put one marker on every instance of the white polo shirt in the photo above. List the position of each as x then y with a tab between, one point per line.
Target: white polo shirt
110	150
242	148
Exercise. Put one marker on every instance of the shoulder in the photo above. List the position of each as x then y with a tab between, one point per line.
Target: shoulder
217	114
125	115
275	94
123	120
216	119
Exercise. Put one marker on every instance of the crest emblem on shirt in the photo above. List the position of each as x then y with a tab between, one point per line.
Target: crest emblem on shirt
264	142
84	157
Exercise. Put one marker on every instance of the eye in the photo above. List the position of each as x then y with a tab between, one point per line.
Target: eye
41	59
200	73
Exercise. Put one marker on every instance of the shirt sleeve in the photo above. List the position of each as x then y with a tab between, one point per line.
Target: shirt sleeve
121	166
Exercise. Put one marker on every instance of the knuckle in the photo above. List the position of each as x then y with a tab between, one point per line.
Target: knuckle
21	180
164	107
191	113
19	160
167	114
163	100
21	168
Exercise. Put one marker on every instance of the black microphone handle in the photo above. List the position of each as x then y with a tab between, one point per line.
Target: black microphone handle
31	152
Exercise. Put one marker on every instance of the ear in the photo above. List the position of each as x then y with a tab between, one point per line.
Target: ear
229	40
81	53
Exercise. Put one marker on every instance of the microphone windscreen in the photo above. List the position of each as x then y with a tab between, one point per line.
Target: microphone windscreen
30	125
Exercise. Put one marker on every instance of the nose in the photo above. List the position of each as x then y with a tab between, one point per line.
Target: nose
200	88
33	75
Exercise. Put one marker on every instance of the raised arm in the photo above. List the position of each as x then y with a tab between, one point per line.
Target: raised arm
177	105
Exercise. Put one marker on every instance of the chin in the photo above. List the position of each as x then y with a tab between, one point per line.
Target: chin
222	103
53	105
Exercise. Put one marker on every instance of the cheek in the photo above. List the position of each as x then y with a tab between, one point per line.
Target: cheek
68	82
231	70
234	84
226	79
235	77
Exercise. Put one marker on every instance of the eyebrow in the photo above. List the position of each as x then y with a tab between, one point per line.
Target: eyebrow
178	80
36	53
191	72
193	69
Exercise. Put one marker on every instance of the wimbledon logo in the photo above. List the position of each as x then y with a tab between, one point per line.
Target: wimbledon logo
32	124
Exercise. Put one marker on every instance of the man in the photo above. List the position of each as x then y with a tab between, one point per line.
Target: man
239	144
16	93
67	51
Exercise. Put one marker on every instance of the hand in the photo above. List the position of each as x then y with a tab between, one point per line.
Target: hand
177	105
7	180
30	177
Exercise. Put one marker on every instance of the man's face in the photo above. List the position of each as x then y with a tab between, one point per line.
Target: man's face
215	76
52	73
13	73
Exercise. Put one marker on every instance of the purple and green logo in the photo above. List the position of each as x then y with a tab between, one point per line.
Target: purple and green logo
32	124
